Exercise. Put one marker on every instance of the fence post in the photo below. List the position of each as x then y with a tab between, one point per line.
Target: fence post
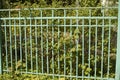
117	77
0	41
0	49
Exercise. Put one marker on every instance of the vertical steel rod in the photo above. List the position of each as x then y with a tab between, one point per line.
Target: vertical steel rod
70	48
83	62
53	43
15	44
20	37
41	41
47	53
31	42
89	61
59	47
96	42
108	68
36	42
77	45
102	53
64	43
26	53
0	48
118	48
10	32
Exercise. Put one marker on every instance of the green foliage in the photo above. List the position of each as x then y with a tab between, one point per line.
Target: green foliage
19	76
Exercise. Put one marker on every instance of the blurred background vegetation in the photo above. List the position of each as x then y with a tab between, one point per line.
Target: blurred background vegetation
56	3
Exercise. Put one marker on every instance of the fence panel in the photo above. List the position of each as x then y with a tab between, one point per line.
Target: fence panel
69	43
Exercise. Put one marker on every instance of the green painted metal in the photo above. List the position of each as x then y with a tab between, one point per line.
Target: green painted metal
64	43
118	47
89	52
81	17
0	41
41	42
96	37
58	48
0	47
53	71
60	45
71	52
102	53
25	36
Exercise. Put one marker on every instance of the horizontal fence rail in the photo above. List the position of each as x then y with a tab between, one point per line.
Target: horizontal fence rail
37	18
65	43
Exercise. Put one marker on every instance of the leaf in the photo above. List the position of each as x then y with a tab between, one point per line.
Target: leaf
72	50
83	67
76	31
88	69
62	79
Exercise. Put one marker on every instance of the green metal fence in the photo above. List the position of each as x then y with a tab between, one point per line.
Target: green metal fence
69	43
